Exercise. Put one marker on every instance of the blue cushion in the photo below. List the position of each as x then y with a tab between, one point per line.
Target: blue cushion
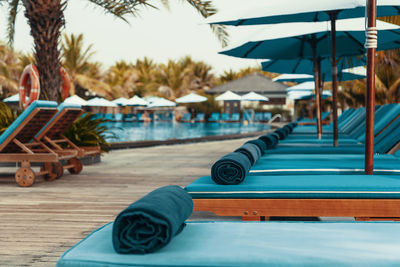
24	115
301	186
253	244
316	164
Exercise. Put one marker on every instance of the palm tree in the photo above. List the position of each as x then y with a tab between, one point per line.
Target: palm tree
122	78
84	75
46	20
10	70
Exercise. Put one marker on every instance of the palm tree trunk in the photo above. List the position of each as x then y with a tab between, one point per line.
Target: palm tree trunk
46	18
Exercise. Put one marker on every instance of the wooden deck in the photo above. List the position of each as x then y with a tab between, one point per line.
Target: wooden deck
37	224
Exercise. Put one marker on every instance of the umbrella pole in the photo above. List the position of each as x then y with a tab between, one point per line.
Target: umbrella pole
317	94
370	103
333	16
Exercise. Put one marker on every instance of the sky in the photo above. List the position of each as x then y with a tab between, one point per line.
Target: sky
158	34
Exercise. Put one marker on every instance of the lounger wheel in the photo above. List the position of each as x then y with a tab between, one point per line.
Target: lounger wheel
49	170
76	165
25	177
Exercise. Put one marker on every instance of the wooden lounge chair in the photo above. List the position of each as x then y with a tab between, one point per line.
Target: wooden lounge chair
18	143
53	136
364	197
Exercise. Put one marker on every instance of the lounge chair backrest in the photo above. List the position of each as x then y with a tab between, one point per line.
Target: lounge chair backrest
225	116
388	138
27	125
66	115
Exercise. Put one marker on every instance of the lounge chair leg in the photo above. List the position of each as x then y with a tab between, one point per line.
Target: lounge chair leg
74	166
48	171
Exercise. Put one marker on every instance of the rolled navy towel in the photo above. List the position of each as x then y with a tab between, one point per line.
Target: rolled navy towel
270	140
151	222
282	133
251	151
286	129
261	145
230	169
289	127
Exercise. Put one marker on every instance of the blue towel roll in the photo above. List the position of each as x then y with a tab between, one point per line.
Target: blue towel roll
261	145
270	140
251	151
230	169
282	134
151	222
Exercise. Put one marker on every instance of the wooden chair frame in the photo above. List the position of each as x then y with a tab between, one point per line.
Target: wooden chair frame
255	209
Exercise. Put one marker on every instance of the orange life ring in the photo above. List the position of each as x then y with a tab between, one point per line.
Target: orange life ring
66	84
29	86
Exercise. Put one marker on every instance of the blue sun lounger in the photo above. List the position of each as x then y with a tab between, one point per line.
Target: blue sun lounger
214	117
223	244
359	196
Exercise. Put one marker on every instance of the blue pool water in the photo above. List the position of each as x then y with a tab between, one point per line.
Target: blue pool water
140	131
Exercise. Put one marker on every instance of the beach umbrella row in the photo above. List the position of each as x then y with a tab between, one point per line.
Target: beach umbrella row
315	10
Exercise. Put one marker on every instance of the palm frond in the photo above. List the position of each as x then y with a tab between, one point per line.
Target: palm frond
122	8
12	16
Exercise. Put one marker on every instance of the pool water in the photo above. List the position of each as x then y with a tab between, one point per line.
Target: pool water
140	131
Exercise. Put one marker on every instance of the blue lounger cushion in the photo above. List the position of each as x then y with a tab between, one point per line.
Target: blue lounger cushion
24	115
301	186
271	164
234	244
151	222
231	169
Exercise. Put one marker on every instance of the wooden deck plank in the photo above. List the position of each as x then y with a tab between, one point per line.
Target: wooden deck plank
39	223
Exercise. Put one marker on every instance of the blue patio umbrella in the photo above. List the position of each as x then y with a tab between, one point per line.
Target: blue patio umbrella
311	41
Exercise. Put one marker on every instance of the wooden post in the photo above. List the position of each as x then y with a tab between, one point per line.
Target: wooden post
333	16
370	98
316	80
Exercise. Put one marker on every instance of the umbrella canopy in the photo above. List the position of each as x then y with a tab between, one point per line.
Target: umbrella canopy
100	102
302	40
305	65
272	12
228	96
191	98
344	75
75	99
122	101
307	95
154	102
252	96
12	99
305	86
137	101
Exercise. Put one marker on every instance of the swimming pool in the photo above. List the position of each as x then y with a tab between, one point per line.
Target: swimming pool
141	131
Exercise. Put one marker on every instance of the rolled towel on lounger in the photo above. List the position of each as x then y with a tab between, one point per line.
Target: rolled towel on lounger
230	169
151	222
270	140
261	145
251	151
282	133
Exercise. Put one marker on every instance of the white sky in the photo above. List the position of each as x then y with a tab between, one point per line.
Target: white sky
157	34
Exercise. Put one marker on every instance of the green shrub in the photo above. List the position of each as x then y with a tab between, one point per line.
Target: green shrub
87	131
7	116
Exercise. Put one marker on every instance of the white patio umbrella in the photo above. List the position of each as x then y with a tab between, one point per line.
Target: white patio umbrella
137	101
191	98
12	99
291	77
305	86
228	96
252	96
122	101
301	95
154	102
100	102
75	99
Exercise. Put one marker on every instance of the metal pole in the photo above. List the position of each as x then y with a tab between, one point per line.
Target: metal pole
316	80
370	104
334	80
